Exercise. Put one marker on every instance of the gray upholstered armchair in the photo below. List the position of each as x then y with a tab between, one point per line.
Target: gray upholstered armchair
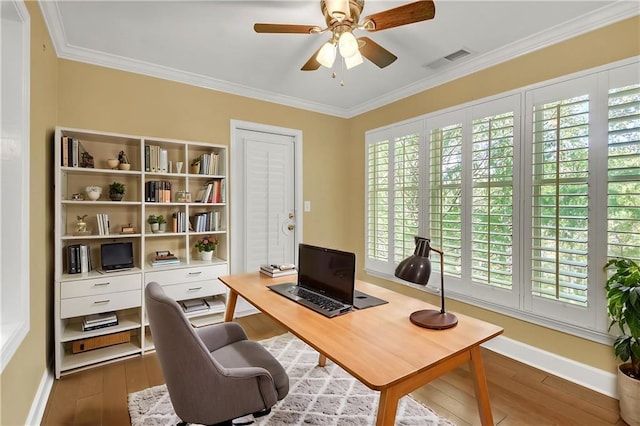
214	374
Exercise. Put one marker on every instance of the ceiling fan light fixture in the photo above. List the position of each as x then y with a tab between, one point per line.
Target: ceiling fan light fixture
327	55
347	44
354	60
338	9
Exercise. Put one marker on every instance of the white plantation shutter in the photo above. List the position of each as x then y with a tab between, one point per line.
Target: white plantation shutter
623	206
560	188
393	195
378	200
492	200
445	195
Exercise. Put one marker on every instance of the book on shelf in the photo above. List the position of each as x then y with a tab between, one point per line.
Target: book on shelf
194	305
103	223
274	271
78	259
97	321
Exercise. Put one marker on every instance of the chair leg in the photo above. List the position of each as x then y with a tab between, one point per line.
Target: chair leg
262	413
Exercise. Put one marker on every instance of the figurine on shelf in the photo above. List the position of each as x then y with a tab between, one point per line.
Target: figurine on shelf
123	161
81	226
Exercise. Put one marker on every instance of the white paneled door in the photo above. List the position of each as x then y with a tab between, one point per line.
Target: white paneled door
263	199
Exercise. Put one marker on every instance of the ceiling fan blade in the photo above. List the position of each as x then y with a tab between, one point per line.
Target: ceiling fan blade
376	53
286	28
312	64
420	10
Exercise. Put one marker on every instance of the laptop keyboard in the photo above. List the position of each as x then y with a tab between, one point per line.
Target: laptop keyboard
319	300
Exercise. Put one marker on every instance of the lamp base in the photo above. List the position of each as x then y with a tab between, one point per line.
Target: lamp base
434	319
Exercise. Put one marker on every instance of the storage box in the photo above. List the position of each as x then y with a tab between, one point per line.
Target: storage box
100	341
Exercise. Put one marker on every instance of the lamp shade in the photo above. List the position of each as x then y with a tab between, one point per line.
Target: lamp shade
327	55
417	267
353	61
347	44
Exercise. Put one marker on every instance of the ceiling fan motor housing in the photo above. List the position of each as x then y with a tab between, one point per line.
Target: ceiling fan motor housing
328	8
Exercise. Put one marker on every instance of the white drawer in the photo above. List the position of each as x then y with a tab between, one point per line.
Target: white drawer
79	306
101	285
185	275
193	290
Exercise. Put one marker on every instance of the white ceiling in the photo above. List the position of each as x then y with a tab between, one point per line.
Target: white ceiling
212	44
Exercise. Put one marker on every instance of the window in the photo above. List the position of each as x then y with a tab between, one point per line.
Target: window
526	194
623	166
393	195
14	177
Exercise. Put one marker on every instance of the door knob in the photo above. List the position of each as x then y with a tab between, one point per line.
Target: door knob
290	227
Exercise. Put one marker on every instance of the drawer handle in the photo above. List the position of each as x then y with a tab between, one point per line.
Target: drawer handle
101	284
194	274
101	302
195	288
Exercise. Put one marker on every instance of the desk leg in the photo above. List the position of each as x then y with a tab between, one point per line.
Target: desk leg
387	407
231	306
480	385
322	360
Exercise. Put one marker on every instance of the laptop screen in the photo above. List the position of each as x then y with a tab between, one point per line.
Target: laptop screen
327	271
116	256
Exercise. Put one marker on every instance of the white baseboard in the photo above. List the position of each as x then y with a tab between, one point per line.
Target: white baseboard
584	375
39	403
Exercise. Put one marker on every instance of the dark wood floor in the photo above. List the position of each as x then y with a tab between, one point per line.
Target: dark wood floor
520	395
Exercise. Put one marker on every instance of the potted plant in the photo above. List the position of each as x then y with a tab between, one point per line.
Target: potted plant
123	161
206	246
116	191
195	166
152	220
162	223
623	308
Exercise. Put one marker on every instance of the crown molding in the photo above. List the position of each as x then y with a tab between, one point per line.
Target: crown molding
607	15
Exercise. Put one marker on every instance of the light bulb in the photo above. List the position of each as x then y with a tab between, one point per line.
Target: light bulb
353	61
327	55
348	44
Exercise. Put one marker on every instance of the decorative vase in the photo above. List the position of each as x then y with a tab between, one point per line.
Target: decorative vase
206	255
112	163
124	166
195	169
154	227
629	396
93	192
162	227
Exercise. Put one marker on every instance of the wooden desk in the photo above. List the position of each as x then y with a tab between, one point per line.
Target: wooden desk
379	346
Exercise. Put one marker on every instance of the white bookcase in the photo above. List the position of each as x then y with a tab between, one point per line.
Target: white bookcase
77	295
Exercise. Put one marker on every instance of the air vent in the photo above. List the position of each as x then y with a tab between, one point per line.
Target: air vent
457	55
446	60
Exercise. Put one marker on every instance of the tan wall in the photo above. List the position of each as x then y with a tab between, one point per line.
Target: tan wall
98	98
21	377
600	47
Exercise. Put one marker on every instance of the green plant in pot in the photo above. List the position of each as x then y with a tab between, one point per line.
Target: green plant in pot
152	220
623	308
116	191
162	223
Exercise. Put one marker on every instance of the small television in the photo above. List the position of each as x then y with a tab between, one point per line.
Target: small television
116	256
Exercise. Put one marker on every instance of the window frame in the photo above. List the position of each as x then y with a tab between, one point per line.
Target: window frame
14	155
518	303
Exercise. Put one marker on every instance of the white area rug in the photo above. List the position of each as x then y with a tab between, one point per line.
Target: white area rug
317	396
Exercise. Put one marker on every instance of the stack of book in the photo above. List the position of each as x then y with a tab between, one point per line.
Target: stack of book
278	270
194	305
102	320
164	258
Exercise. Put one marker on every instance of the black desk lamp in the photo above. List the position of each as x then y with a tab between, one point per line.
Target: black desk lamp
417	269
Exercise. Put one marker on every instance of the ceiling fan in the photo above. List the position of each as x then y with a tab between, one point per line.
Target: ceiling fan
342	18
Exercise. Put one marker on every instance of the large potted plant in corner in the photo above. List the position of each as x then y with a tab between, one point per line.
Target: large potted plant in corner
623	308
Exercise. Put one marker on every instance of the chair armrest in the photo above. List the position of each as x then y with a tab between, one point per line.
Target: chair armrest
218	335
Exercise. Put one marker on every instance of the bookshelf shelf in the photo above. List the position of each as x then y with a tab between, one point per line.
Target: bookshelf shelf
143	176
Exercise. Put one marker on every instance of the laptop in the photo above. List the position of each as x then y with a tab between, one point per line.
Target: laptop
326	282
116	256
